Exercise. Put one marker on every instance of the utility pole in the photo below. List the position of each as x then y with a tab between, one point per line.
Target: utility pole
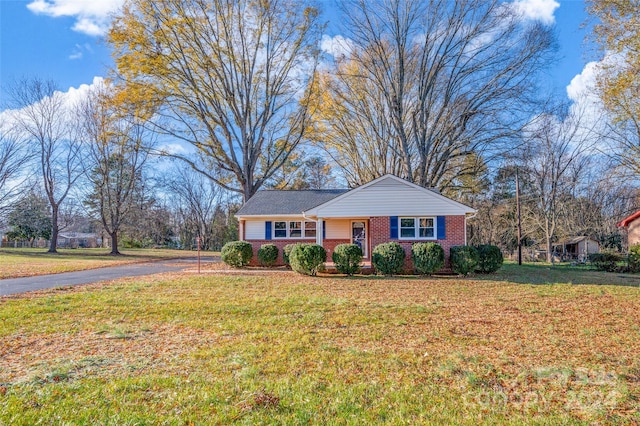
519	224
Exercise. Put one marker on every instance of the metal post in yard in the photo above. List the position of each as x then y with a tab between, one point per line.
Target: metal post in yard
198	242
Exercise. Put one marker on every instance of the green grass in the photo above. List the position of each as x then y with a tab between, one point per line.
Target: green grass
564	273
288	349
28	262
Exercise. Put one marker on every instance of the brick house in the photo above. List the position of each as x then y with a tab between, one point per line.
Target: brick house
386	209
632	224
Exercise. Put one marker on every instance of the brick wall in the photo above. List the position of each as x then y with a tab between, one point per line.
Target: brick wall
379	231
633	232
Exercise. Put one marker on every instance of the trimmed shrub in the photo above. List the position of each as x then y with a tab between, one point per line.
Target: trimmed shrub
605	261
237	253
634	258
490	258
286	252
307	258
427	257
464	259
388	258
347	258
268	254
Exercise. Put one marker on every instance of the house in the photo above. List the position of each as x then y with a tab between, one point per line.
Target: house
632	224
386	209
578	248
78	240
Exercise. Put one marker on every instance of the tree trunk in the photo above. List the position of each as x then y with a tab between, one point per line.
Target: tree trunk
53	245
114	243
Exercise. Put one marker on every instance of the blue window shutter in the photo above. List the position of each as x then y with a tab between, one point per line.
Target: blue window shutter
393	226
442	228
267	230
324	229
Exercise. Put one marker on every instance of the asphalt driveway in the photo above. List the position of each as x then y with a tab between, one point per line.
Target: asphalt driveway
21	285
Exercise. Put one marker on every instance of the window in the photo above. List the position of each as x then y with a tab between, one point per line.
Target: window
426	227
407	227
417	228
309	229
280	230
294	229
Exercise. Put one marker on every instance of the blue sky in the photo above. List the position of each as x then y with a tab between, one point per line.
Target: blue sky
61	39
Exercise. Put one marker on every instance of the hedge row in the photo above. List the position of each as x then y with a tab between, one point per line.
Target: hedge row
387	258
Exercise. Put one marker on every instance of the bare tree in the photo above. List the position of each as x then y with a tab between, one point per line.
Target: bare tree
118	147
425	84
195	198
43	118
554	158
13	173
231	77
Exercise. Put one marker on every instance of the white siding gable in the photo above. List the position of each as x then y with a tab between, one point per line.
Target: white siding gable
389	196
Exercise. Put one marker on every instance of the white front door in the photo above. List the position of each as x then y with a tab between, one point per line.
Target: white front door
359	235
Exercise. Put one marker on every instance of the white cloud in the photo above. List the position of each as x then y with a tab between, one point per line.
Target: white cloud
69	100
338	46
584	84
537	10
173	148
92	16
79	49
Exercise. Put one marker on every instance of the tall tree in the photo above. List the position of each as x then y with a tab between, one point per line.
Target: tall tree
231	76
195	200
553	158
13	159
618	33
30	218
118	147
425	84
43	118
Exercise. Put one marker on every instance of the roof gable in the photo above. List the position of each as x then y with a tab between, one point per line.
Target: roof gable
627	220
389	195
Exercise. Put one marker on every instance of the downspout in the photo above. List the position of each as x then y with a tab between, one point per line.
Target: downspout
318	226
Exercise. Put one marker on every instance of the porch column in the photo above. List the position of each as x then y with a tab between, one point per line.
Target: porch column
241	230
319	231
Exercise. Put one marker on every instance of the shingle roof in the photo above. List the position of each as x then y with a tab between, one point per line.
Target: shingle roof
274	202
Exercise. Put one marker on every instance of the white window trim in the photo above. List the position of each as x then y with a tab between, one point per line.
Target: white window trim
416	228
288	230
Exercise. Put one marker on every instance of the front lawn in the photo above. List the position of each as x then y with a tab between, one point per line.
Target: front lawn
29	262
287	349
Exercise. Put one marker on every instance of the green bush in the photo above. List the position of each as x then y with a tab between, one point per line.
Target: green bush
605	261
286	252
268	254
490	258
307	258
464	259
427	257
237	253
634	258
388	258
347	258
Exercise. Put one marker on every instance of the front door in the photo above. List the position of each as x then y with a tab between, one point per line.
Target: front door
359	235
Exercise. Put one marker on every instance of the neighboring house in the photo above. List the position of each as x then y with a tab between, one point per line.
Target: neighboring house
577	247
385	209
78	240
632	224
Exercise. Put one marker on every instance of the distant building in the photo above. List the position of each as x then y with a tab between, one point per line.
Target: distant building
577	248
78	240
632	225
